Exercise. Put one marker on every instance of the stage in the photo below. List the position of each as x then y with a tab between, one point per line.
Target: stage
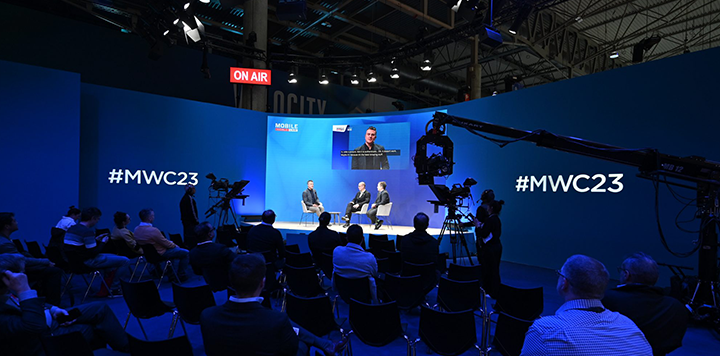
294	228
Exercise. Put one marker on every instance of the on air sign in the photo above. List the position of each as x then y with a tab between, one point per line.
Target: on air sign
250	76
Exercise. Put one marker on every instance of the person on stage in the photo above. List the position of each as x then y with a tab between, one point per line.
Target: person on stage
310	197
362	197
382	199
377	161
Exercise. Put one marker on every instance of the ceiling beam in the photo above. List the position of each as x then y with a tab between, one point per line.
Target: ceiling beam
416	13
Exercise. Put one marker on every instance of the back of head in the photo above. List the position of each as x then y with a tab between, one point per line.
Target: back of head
588	277
145	214
496	206
324	219
642	269
421	221
6	219
355	234
119	219
90	213
202	231
487	196
246	273
12	262
268	217
72	211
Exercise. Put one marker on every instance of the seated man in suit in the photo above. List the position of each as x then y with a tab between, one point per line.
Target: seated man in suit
38	269
418	246
147	234
209	255
382	199
244	326
361	198
323	239
662	319
310	198
24	317
265	238
352	261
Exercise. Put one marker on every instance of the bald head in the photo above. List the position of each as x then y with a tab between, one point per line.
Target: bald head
586	277
268	217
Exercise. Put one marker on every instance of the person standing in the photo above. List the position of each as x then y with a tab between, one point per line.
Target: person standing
489	247
382	199
361	198
310	198
189	216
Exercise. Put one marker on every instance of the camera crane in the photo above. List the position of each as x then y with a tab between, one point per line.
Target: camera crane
693	172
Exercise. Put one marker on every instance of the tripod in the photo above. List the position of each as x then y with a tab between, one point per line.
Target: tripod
453	227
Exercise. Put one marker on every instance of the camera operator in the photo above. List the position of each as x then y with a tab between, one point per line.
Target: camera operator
488	229
487	197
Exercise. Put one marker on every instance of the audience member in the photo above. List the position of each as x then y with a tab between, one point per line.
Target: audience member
208	254
243	325
418	246
147	234
361	198
264	238
24	317
382	199
582	326
489	247
82	246
310	198
69	219
189	216
352	261
323	239
662	319
122	233
38	269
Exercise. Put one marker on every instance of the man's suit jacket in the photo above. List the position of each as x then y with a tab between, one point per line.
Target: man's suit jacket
21	327
662	319
263	238
382	198
310	197
212	256
419	247
361	198
374	162
188	211
247	329
323	240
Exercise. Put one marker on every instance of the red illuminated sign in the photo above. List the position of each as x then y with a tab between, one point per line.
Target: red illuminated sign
250	76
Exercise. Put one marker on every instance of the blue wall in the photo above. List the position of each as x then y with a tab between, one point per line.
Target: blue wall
669	104
135	131
40	116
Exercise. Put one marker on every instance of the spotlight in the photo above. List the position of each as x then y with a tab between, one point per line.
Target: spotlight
323	80
205	1
176	21
614	55
394	72
292	77
354	80
187	5
370	75
166	32
426	64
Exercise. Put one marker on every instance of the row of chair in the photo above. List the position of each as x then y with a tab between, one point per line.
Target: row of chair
383	211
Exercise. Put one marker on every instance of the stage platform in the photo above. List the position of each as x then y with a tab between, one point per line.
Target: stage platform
293	227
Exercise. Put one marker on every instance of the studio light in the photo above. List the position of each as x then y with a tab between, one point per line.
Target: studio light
187	5
292	77
426	64
166	32
394	72
176	21
323	80
370	75
354	80
522	15
205	1
614	55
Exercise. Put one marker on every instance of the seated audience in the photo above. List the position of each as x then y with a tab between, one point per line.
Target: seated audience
418	246
82	246
69	219
147	234
24	317
662	319
323	239
582	326
244	326
208	254
352	261
265	238
38	269
122	233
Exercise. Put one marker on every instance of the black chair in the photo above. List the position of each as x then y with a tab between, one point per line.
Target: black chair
357	288
298	259
70	344
34	249
216	278
19	245
143	300
407	291
464	273
303	281
292	248
457	296
57	237
227	235
315	314
447	333
272	285
376	324
383	264
73	264
395	261
510	334
178	240
152	256
425	270
122	249
526	304
325	262
398	242
178	346
379	245
191	301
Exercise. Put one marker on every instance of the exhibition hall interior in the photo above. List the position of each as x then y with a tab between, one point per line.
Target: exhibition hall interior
474	177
